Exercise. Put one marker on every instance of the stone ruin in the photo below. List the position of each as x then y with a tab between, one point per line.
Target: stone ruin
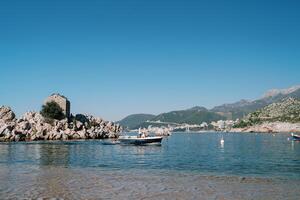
62	101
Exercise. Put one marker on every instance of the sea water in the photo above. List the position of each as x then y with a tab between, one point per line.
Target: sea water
185	165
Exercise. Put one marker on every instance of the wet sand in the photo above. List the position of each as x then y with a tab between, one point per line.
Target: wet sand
90	183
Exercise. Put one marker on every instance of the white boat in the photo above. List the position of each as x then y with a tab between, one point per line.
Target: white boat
140	140
295	136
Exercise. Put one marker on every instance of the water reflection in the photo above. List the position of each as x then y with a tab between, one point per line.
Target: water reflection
58	154
222	141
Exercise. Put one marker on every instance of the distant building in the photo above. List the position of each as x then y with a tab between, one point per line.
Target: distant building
62	101
204	125
222	125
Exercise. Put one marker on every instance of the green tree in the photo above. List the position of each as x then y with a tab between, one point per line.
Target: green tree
242	124
52	110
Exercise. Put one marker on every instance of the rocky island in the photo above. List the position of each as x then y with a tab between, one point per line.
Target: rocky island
54	122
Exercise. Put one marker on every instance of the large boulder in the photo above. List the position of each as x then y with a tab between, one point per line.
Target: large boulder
6	114
95	121
81	118
82	134
41	129
79	125
113	135
4	128
23	125
33	118
61	125
5	132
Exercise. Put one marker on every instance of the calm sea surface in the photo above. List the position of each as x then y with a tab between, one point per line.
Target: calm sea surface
259	156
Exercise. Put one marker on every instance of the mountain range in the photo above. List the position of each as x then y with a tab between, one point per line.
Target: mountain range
197	115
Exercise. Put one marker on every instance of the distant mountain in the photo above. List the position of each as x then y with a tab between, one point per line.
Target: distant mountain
275	92
287	110
197	108
235	110
132	121
195	115
241	108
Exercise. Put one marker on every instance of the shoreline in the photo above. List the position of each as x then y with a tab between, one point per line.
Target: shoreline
91	183
216	132
267	127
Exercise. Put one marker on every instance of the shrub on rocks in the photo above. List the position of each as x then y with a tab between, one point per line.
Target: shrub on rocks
52	110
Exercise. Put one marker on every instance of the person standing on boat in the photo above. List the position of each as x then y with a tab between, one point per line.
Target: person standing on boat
140	133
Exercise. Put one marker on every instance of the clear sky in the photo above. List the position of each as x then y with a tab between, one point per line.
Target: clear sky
117	57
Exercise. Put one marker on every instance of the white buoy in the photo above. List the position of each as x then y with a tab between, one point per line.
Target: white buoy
222	143
222	140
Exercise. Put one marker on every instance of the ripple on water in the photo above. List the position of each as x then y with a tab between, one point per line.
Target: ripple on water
185	166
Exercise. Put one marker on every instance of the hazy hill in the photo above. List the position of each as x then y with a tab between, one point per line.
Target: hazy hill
195	115
134	120
287	110
241	108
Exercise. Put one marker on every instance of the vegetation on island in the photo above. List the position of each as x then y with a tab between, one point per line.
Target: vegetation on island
51	110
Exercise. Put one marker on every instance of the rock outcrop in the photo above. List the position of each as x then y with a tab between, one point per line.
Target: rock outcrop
6	114
33	126
274	92
287	110
283	116
270	127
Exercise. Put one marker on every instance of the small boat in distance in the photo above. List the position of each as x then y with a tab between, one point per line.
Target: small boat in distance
295	136
140	140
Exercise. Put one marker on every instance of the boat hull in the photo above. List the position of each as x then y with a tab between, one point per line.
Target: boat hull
140	141
296	137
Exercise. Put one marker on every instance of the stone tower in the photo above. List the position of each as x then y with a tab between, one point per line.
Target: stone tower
62	101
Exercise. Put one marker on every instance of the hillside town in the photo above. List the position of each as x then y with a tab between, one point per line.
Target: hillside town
166	128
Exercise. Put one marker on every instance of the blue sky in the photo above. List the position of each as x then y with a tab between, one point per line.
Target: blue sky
116	57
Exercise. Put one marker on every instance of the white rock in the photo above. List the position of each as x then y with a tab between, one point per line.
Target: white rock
6	114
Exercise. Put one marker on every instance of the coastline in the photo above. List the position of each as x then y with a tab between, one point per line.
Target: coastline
270	127
267	127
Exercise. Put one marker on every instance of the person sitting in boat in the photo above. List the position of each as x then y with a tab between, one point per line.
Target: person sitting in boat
139	135
143	135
